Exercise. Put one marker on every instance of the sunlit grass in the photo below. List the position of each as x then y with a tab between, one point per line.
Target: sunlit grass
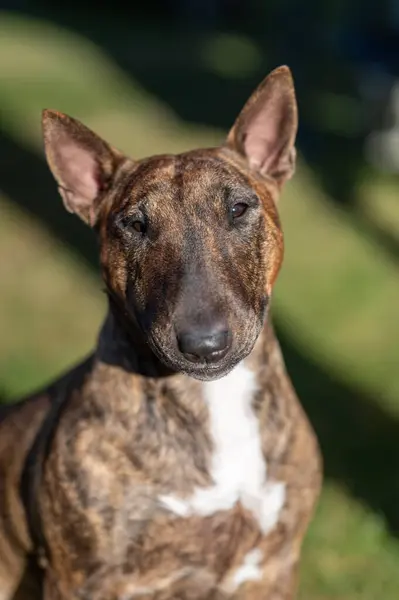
50	305
348	554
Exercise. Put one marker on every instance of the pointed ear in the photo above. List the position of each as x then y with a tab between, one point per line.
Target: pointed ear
264	132
81	162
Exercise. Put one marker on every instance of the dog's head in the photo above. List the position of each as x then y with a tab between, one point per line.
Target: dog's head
190	244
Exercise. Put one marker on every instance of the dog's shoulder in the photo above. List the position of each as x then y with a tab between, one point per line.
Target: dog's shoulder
21	420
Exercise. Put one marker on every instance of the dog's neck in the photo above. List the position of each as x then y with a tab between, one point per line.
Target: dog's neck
122	344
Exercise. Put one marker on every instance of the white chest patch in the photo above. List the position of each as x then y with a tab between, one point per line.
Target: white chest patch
250	569
238	468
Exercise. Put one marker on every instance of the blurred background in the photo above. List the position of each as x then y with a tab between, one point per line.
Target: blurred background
168	76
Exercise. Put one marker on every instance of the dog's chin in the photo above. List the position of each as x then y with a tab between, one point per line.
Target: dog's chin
201	370
208	372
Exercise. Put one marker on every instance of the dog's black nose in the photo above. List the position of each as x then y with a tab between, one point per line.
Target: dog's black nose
199	344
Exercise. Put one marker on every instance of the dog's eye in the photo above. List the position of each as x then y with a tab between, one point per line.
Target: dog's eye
139	226
238	210
136	225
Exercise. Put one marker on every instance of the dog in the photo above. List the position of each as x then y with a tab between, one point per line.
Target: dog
176	460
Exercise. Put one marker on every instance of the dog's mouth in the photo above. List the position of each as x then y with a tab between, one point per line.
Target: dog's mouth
208	372
200	369
228	348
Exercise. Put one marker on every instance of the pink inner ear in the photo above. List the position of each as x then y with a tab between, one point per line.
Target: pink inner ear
258	150
263	144
80	172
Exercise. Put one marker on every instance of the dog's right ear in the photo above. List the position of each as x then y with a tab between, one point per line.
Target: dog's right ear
81	162
265	130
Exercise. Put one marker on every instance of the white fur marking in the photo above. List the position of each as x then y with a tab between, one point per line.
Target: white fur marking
238	466
249	570
176	505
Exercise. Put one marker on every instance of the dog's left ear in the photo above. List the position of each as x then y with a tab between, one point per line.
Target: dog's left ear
82	163
264	132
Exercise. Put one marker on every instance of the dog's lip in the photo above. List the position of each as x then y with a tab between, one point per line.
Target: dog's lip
206	372
202	371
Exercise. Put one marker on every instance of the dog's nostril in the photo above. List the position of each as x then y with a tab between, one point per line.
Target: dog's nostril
208	345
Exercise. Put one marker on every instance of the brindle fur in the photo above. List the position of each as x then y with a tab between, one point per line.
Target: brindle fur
135	424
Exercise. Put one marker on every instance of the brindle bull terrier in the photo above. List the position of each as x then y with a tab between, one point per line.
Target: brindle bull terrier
176	461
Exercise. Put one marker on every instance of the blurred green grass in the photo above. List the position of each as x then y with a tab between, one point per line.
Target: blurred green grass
337	294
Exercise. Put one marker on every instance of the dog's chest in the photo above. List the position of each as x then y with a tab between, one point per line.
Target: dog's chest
238	467
142	518
216	529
